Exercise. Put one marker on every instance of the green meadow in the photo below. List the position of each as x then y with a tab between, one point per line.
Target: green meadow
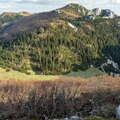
11	74
4	74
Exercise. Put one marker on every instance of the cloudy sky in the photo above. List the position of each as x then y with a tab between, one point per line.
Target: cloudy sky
35	6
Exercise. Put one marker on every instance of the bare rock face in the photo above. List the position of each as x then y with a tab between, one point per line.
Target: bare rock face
96	11
104	13
107	13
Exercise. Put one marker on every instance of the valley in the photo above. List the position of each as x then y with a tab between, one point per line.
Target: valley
62	64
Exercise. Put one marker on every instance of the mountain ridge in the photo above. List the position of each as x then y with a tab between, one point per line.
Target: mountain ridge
15	13
82	11
70	11
8	17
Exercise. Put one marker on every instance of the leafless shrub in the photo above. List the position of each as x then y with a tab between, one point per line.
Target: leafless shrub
40	100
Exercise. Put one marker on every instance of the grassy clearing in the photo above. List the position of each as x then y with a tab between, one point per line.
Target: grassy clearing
99	119
87	73
22	76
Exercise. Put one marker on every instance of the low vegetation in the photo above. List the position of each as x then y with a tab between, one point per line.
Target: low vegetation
99	119
91	72
60	98
11	74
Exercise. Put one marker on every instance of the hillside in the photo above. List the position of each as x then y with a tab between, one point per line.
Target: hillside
7	17
60	41
27	24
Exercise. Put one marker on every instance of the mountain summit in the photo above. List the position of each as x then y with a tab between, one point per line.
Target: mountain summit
73	10
76	10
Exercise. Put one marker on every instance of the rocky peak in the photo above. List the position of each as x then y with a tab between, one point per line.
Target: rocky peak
96	11
106	13
73	5
74	10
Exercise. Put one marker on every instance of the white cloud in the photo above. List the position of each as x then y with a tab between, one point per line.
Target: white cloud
115	1
26	0
100	2
67	1
42	0
5	6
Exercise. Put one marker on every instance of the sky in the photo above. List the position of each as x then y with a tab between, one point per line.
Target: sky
35	6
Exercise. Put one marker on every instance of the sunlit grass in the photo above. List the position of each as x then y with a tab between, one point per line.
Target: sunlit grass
22	76
99	119
91	72
4	74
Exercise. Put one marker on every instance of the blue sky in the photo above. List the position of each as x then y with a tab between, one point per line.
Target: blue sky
35	6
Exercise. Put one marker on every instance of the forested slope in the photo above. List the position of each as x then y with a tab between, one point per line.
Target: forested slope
61	41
